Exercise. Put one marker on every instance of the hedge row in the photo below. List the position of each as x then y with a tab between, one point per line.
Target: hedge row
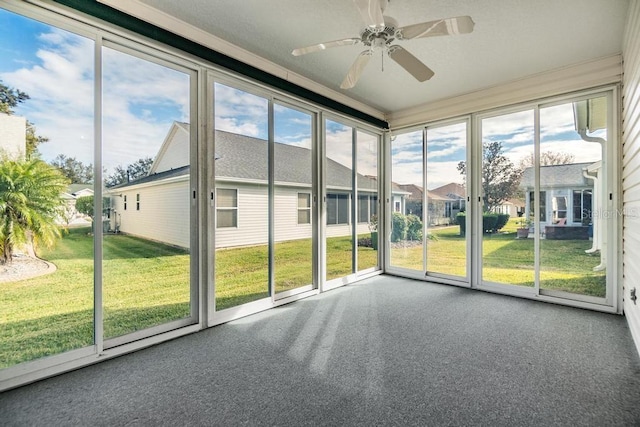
491	223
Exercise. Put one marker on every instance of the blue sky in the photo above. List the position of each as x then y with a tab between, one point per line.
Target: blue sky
446	145
141	99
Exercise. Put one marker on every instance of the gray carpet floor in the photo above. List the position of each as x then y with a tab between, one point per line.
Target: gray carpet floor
385	351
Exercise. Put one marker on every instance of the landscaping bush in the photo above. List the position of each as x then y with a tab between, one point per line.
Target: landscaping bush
502	221
414	227
489	222
461	220
398	227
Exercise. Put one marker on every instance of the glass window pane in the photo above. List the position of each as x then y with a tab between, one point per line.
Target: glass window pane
241	160
367	165
304	200
293	245
304	217
46	291
507	175
406	185
146	146
226	218
339	190
227	198
445	215
571	254
343	209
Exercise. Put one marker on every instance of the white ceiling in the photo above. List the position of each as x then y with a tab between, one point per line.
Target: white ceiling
512	39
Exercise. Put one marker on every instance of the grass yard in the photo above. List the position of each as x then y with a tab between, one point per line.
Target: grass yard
564	265
147	283
144	284
51	314
241	275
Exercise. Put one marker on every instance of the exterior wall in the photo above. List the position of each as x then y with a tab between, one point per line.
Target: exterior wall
631	167
12	135
163	214
176	154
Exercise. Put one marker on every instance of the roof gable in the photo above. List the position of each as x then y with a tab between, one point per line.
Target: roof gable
557	176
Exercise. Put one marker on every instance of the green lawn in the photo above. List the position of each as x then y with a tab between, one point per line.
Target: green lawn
563	265
146	283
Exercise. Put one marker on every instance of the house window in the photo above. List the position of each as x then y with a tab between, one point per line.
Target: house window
367	205
559	204
396	206
543	206
227	208
304	208
582	206
125	202
337	209
137	201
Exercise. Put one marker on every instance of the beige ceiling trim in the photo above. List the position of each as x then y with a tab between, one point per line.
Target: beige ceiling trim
580	76
165	21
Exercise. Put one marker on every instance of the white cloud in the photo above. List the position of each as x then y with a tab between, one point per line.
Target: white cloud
141	100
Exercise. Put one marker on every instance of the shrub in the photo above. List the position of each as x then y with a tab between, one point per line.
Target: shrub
414	227
398	227
489	222
502	221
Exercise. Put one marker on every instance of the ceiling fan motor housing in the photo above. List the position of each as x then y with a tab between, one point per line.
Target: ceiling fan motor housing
380	36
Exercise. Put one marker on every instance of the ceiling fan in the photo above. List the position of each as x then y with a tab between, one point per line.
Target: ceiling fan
381	31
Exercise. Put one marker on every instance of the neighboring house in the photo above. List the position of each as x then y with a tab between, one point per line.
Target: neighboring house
12	136
437	204
70	215
566	193
455	196
512	207
156	206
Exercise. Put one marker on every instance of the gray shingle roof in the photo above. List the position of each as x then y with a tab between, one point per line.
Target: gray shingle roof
557	176
245	158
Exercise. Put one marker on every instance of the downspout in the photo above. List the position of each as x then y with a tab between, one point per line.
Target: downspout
599	242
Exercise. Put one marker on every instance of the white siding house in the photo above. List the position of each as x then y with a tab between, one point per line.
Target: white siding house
156	207
565	193
631	168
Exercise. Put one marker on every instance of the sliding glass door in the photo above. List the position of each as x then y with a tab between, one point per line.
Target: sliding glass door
147	205
351	201
547	199
294	200
429	227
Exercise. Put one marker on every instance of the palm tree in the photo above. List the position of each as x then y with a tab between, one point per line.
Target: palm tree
30	201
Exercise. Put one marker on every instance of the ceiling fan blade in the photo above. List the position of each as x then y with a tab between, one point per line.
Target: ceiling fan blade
322	46
440	27
410	63
371	11
356	70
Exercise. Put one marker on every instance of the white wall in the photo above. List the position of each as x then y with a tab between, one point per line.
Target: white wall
163	214
12	135
631	167
174	152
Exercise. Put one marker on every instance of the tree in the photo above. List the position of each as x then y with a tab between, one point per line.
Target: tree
30	202
76	171
10	98
548	158
33	140
84	205
500	177
135	170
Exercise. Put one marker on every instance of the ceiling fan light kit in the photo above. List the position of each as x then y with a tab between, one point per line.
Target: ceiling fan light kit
381	31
